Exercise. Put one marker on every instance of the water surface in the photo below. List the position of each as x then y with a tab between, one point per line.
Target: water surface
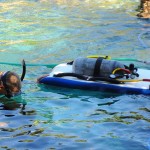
56	31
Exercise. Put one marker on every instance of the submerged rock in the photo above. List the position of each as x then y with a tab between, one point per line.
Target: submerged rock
144	9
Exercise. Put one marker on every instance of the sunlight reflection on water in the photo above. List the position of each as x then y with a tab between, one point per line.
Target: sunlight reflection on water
80	26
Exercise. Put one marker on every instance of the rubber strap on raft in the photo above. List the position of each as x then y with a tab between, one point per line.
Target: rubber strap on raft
87	78
97	66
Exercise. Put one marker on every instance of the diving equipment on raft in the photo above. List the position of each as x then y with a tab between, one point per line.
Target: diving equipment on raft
102	67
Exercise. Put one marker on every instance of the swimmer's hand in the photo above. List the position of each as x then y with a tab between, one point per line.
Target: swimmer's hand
40	78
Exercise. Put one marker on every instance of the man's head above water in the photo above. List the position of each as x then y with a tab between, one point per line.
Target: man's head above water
10	84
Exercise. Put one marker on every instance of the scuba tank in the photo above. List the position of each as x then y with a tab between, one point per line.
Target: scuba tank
95	67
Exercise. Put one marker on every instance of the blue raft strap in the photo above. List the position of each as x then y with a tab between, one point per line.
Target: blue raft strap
87	78
97	66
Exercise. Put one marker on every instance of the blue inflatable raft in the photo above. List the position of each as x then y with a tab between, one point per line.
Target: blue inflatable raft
139	85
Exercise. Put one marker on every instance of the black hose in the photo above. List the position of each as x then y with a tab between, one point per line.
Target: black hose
87	78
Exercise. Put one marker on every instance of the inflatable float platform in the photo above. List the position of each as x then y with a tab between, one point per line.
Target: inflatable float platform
62	75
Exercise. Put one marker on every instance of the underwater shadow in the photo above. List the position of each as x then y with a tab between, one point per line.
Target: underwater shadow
74	93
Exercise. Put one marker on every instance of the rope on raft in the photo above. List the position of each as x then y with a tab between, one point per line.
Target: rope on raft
18	64
53	65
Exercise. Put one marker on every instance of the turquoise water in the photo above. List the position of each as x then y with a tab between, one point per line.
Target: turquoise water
56	31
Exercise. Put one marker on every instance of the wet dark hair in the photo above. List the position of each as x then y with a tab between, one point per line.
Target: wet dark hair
12	83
